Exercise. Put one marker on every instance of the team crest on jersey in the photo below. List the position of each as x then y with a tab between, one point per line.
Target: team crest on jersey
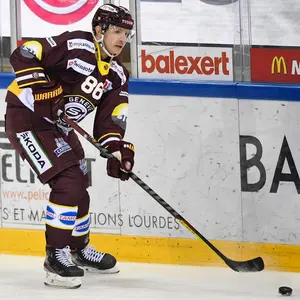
77	107
81	44
80	66
62	147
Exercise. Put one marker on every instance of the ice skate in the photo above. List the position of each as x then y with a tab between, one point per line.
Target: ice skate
92	260
61	272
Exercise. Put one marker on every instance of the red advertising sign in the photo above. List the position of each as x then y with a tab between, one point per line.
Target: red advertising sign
275	65
191	63
61	12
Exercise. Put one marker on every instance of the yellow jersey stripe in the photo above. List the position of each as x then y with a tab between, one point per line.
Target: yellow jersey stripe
30	69
14	88
111	133
31	83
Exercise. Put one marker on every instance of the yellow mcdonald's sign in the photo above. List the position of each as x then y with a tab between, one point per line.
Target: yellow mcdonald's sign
278	62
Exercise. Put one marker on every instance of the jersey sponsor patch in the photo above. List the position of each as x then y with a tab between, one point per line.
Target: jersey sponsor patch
59	216
67	218
77	107
48	95
81	44
34	151
119	70
80	66
124	94
119	115
27	52
82	226
61	147
51	41
31	49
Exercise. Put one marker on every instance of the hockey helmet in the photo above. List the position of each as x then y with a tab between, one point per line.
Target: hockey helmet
110	14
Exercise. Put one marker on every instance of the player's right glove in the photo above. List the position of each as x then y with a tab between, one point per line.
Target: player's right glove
124	152
48	99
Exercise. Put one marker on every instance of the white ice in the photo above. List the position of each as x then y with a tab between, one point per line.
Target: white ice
21	278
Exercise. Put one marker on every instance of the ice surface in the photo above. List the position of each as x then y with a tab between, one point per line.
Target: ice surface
21	277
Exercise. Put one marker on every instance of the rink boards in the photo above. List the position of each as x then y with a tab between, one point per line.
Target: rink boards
224	155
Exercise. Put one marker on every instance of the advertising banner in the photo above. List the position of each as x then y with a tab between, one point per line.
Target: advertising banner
24	200
194	176
42	18
270	168
229	167
61	12
190	63
275	65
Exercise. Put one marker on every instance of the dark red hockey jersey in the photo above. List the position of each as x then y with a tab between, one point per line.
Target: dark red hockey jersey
73	60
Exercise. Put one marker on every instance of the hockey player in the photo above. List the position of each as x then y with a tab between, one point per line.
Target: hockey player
76	72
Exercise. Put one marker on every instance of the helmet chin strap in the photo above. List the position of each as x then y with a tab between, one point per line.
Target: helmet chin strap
102	45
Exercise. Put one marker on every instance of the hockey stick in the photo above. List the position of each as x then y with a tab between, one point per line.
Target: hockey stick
252	265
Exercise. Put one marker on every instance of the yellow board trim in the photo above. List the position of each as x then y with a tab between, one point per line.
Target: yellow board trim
161	250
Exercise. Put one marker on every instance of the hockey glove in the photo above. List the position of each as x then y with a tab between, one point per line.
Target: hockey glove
48	99
123	163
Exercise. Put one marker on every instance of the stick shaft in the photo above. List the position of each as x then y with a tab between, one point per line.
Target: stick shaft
246	266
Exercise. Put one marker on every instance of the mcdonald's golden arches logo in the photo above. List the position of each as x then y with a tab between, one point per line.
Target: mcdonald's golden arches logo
278	62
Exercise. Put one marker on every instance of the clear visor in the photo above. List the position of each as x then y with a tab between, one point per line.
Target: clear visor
122	32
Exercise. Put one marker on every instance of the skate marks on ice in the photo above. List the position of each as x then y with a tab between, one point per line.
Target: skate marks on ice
21	278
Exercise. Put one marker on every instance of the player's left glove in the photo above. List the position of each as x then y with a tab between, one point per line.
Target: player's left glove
124	152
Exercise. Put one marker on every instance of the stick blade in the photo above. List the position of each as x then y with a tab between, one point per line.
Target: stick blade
252	265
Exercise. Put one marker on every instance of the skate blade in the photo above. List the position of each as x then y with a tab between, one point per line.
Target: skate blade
57	281
113	270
